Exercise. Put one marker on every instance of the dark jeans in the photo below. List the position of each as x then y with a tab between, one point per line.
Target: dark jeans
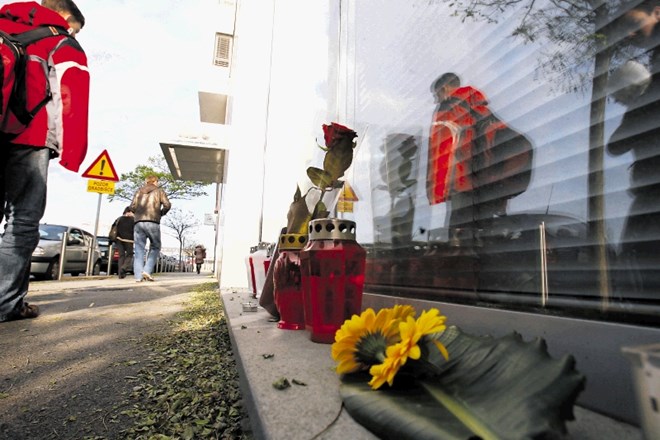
23	179
125	263
467	211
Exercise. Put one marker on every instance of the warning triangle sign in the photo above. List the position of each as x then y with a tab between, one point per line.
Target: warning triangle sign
102	169
347	194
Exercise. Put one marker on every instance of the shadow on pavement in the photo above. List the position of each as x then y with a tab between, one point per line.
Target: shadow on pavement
63	374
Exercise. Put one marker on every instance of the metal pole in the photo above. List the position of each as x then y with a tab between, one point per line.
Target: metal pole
544	265
218	209
65	238
90	255
111	251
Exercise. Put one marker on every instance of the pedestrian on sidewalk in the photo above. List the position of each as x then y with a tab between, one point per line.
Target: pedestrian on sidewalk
58	129
200	255
124	241
149	204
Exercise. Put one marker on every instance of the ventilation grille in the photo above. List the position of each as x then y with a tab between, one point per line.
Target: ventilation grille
222	52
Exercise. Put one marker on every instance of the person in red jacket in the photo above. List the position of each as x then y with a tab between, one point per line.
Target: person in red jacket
451	176
58	130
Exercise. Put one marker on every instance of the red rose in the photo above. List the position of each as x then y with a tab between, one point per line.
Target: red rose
336	132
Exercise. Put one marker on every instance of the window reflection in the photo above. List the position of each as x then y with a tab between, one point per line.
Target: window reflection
639	133
562	212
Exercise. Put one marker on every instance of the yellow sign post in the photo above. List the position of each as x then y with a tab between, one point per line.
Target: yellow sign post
102	177
346	199
101	186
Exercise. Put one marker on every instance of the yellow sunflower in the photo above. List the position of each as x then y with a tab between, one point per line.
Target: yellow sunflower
362	340
428	323
411	331
386	371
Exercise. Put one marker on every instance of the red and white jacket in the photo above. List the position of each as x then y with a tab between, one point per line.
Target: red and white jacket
62	124
451	144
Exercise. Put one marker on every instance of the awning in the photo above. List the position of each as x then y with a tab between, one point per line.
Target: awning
193	160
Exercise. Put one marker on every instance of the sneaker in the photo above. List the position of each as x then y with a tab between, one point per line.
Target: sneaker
147	277
26	311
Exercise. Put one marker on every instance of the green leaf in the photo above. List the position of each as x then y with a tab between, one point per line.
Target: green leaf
320	178
502	388
282	383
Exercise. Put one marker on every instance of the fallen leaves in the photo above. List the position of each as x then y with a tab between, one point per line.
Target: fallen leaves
189	388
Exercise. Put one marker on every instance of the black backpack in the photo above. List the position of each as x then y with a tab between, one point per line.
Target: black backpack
14	114
502	156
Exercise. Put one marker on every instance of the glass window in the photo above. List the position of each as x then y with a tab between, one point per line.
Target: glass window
76	234
507	154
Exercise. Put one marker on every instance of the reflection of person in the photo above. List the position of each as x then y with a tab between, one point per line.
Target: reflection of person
149	204
451	153
124	242
200	255
59	129
639	133
398	170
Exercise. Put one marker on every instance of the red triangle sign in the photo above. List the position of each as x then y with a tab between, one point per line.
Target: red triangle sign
102	169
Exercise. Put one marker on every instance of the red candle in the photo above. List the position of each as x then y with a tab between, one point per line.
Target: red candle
332	266
287	287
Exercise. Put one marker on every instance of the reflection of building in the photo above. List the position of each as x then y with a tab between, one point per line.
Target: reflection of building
536	270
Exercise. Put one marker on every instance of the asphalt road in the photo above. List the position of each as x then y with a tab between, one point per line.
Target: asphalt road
64	374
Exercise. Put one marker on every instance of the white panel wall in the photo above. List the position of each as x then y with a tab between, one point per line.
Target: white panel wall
278	106
242	193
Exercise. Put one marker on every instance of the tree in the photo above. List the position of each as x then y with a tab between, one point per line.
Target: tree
182	224
579	48
130	182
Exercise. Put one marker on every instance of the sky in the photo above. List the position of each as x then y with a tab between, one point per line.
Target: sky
143	59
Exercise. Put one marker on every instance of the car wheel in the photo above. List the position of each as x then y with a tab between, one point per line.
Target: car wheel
97	268
53	269
75	274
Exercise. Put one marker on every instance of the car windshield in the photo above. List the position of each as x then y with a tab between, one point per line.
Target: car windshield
51	232
103	241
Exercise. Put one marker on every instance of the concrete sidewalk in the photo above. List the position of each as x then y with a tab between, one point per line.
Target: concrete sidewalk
62	373
266	353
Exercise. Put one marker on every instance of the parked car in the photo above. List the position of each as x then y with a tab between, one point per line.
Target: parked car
46	257
104	245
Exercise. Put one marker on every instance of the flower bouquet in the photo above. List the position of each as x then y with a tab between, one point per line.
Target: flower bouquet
408	377
319	200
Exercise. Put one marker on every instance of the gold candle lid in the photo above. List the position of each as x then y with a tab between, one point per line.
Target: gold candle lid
293	241
331	229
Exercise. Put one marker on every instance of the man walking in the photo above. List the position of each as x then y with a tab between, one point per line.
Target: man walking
59	129
639	134
149	204
451	150
124	242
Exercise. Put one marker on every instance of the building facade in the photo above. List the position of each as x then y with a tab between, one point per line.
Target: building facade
544	224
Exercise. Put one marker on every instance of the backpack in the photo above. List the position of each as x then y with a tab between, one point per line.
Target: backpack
14	114
112	235
502	157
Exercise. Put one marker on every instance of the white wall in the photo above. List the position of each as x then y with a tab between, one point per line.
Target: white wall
278	106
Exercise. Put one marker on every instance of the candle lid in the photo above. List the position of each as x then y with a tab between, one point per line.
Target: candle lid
293	241
331	229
